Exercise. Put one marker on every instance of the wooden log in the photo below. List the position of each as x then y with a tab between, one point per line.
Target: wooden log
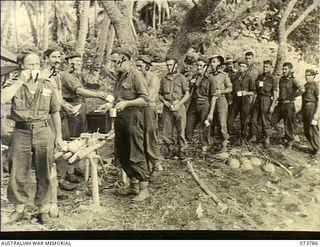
94	180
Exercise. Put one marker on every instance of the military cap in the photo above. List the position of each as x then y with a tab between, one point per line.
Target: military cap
51	49
72	54
23	54
311	72
229	60
171	58
123	50
145	58
220	58
243	61
203	59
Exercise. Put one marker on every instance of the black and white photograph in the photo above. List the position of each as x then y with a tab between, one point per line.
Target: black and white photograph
160	115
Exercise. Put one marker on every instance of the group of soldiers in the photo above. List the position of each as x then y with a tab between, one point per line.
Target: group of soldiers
48	106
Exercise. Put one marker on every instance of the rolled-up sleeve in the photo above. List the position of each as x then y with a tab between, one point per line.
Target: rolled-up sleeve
70	82
184	84
227	82
55	105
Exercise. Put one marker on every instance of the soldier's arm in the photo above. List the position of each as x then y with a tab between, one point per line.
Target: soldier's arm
274	95
8	92
228	85
54	111
300	89
317	113
185	90
90	94
160	94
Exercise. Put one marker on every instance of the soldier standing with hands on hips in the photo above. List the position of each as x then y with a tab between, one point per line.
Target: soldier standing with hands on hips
33	101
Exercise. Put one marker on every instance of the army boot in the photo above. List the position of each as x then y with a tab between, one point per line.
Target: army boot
133	188
143	193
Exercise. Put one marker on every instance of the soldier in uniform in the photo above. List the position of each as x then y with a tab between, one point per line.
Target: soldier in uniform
33	101
50	71
289	89
266	90
131	94
74	93
243	93
253	68
201	92
151	130
219	105
174	93
310	110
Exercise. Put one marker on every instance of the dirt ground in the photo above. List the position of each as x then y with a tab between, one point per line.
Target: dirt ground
254	199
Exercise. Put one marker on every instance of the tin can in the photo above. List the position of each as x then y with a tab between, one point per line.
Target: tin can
239	93
113	112
314	122
207	123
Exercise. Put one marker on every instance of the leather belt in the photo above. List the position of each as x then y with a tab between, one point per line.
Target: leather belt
202	99
74	100
152	103
286	101
31	125
309	103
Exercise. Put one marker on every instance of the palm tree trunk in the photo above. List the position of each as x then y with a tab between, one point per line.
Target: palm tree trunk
80	45
154	15
7	5
32	25
159	15
110	41
15	27
45	37
103	36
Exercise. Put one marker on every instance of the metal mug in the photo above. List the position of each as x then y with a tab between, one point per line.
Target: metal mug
207	123
112	112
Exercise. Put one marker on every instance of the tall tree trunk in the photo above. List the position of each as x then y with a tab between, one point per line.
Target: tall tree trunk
159	15
110	41
83	27
55	23
45	37
32	25
77	6
15	27
38	21
284	32
154	15
7	6
121	25
103	35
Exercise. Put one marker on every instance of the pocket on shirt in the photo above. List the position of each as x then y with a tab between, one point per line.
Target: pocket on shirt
18	103
44	102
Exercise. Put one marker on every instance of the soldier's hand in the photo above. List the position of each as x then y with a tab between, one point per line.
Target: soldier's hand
209	118
102	95
167	104
176	107
105	107
271	110
217	93
121	105
59	142
68	108
25	75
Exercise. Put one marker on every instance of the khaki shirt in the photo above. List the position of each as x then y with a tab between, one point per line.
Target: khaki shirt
130	86
221	81
265	85
70	82
288	88
173	87
56	81
32	107
312	92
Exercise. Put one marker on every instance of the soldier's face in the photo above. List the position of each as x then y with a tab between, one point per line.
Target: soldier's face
215	62
76	63
309	77
140	66
267	68
286	70
243	67
31	62
171	66
249	59
200	66
54	59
